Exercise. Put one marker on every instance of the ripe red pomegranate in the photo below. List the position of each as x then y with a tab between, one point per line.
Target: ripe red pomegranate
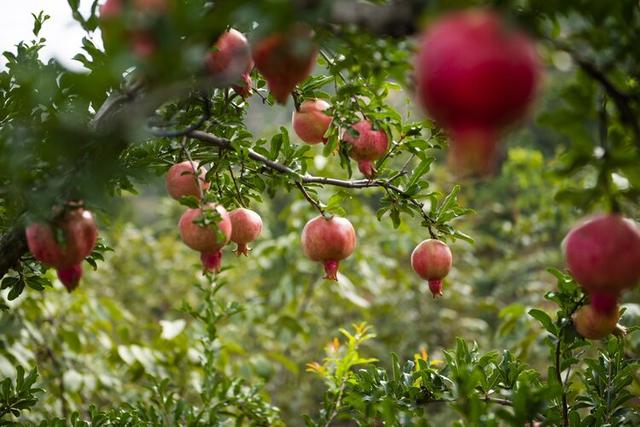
180	181
432	260
595	325
369	146
603	254
328	241
79	234
285	59
203	239
310	123
476	75
246	226
232	59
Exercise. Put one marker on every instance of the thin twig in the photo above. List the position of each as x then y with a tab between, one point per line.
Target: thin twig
225	144
235	184
565	406
206	114
196	175
336	406
622	100
309	198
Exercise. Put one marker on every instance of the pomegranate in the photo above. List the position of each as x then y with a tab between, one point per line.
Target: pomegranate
203	239
368	146
603	254
79	233
432	261
310	123
594	325
285	59
180	181
328	241
246	226
232	58
476	76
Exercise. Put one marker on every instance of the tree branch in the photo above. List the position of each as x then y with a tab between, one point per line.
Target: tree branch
621	100
310	179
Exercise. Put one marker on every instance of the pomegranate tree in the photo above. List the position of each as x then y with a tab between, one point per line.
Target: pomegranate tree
593	324
603	255
180	180
310	122
432	261
205	238
476	76
64	243
328	241
368	146
285	59
231	57
246	226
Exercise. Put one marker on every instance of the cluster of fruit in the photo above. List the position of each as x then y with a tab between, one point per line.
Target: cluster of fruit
603	256
476	77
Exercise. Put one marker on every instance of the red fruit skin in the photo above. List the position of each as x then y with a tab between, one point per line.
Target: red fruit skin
203	239
285	59
211	261
473	151
473	68
328	241
594	325
368	146
310	123
603	302
432	260
180	181
80	235
231	58
246	226
111	9
603	254
70	276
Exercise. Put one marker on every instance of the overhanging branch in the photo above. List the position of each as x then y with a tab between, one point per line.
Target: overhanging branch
321	180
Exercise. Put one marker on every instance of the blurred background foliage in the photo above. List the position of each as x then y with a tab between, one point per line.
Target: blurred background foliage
134	321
